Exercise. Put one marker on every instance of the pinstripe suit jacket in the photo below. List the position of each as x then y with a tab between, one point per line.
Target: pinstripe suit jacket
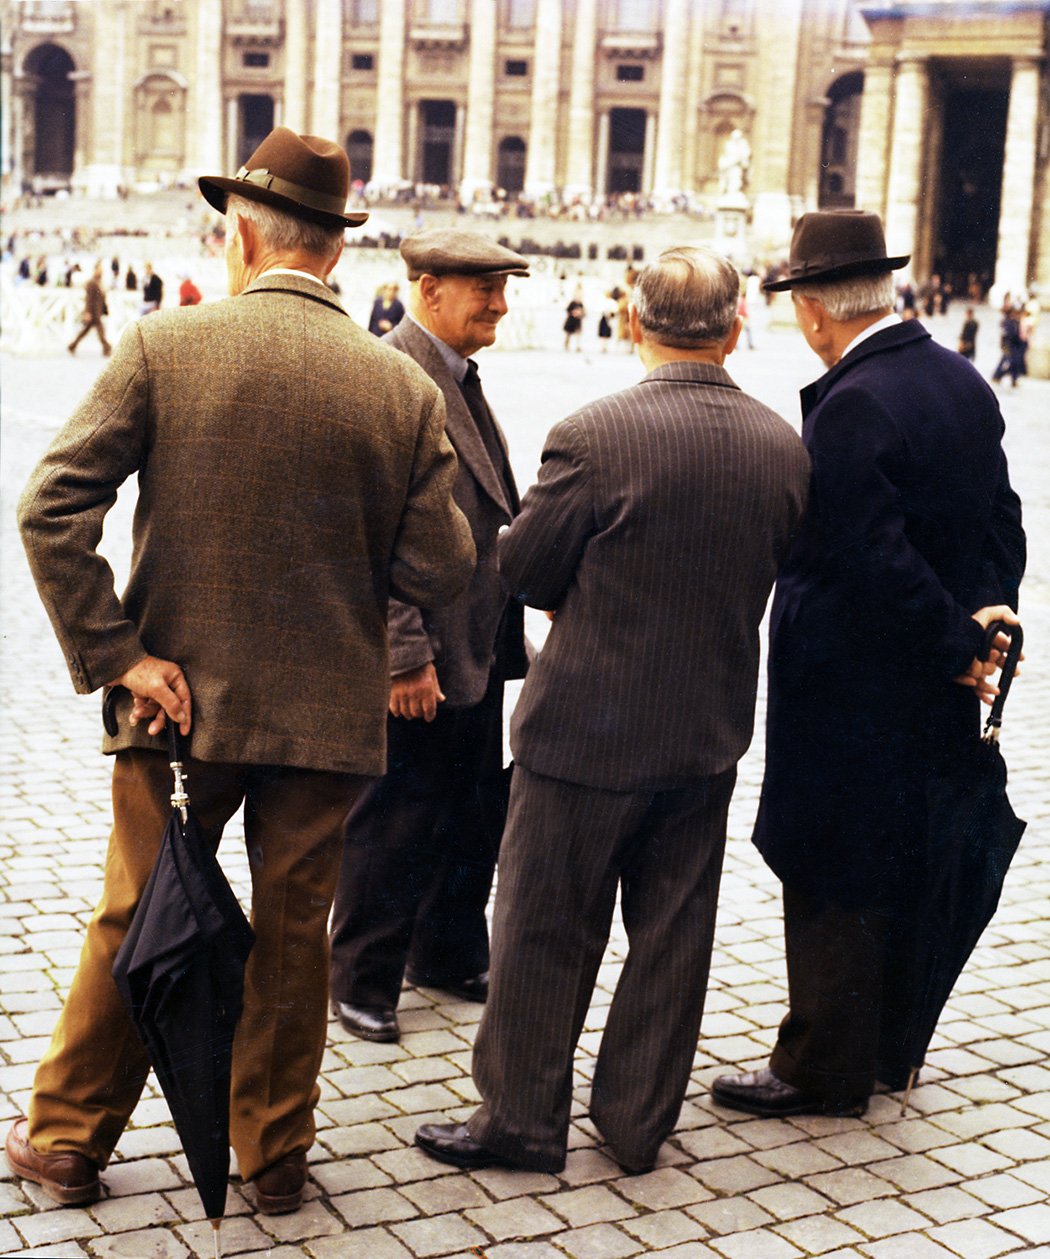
654	530
291	470
460	637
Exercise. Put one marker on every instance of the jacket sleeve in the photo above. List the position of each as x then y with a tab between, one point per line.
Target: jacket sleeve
540	552
410	645
1005	546
61	514
434	555
886	584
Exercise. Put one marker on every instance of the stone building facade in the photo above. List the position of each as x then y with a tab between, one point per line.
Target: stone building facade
932	112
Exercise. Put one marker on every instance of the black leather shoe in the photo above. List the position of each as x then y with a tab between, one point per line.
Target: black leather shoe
452	1143
370	1022
473	988
762	1093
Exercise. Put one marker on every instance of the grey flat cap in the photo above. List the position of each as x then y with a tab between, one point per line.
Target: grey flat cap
446	251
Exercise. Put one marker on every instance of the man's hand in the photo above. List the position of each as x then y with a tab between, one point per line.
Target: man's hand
160	690
416	693
978	674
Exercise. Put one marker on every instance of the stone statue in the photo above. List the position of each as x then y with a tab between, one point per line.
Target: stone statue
733	164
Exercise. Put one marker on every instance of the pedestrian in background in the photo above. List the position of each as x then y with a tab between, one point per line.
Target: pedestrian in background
968	335
911	547
657	524
387	311
1011	346
255	614
152	291
95	309
421	843
189	293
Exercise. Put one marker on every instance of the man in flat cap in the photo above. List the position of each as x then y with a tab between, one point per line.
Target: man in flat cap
912	546
421	843
276	512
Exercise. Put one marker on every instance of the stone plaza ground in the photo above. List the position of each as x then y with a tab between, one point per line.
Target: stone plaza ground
965	1172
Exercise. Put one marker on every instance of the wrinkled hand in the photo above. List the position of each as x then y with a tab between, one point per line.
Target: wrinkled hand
416	693
978	674
160	690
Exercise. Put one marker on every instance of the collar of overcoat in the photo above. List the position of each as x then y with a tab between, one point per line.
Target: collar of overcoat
283	282
888	339
459	423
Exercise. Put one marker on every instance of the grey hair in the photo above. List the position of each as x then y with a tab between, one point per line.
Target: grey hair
283	231
849	299
687	298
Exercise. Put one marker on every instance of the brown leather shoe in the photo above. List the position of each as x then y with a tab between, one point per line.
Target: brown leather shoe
279	1188
69	1178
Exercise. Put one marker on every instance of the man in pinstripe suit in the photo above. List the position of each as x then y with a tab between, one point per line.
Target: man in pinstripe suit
653	536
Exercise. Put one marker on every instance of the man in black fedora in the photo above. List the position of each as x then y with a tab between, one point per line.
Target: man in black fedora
911	547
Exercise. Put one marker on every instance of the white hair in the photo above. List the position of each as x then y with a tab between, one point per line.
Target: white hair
849	299
281	230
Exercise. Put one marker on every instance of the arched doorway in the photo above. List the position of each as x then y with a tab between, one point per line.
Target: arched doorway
54	114
160	124
510	169
626	150
359	151
838	146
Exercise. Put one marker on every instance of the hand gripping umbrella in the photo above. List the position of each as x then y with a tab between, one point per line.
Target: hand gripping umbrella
971	836
180	972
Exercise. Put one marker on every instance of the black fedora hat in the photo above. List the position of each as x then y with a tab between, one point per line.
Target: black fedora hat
306	176
834	245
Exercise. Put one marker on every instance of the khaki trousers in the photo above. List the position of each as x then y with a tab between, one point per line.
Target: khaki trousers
94	1071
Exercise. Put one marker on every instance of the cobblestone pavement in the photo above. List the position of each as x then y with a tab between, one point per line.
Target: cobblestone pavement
964	1173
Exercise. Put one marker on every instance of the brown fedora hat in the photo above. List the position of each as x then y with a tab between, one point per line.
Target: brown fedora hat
833	245
303	175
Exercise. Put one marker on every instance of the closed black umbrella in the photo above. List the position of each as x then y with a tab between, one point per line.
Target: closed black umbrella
971	836
180	971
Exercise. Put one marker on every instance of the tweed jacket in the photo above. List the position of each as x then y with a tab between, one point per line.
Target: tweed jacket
277	507
913	527
460	638
654	531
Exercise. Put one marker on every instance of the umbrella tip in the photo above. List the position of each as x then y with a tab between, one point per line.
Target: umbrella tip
216	1225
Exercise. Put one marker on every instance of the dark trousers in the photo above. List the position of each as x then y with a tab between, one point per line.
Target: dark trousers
419	855
841	1031
566	851
97	324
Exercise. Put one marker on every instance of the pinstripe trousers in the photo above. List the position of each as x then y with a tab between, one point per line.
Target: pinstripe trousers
565	850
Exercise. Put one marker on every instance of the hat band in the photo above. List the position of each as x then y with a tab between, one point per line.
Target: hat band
294	192
825	262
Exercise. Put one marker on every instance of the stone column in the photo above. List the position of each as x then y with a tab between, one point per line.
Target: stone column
455	173
21	120
1019	166
579	173
205	153
325	113
481	102
601	170
876	109
82	80
541	162
296	39
907	151
105	171
668	178
693	92
772	175
230	165
388	161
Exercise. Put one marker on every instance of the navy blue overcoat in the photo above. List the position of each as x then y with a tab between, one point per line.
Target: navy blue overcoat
912	526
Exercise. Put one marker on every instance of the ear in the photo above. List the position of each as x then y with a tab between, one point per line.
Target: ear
635	324
335	258
429	290
729	344
813	311
246	240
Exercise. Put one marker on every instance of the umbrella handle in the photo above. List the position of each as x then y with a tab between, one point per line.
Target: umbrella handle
1006	676
179	799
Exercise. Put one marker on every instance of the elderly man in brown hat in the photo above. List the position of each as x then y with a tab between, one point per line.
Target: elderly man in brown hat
421	843
277	510
912	546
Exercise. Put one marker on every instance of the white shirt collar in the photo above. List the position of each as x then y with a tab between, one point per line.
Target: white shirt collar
887	321
305	275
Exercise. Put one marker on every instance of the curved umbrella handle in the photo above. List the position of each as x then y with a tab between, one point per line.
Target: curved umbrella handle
1006	677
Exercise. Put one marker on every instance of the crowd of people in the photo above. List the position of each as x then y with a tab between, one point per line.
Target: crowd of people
336	634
